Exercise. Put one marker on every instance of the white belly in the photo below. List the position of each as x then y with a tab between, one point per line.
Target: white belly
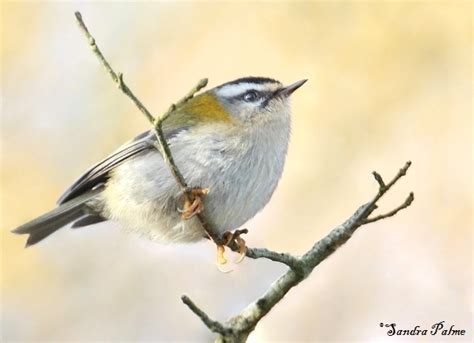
143	196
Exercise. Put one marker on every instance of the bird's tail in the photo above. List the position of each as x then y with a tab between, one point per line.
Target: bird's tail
41	227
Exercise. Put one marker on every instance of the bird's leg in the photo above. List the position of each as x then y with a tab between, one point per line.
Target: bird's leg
193	203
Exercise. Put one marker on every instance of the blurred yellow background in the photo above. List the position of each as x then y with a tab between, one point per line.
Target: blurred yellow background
388	82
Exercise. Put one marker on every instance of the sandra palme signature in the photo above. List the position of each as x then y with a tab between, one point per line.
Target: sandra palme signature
439	328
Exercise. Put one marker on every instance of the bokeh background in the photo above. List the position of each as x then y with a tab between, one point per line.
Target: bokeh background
388	82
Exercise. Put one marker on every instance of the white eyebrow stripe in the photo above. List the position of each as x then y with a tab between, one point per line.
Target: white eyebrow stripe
229	91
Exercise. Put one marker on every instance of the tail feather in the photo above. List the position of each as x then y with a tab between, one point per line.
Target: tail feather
50	222
43	229
87	220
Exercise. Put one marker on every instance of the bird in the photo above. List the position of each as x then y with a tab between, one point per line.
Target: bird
229	143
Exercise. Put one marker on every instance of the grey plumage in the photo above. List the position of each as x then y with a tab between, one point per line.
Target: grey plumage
239	155
98	174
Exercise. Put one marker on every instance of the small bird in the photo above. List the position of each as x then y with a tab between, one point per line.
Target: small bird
231	140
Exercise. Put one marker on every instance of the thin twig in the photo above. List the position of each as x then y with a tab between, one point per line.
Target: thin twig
200	85
116	77
212	325
384	188
291	261
393	212
157	123
379	179
165	150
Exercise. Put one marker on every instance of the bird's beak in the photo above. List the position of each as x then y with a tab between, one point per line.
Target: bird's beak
288	90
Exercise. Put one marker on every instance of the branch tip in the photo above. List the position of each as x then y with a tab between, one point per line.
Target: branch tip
116	77
211	324
408	201
379	180
202	83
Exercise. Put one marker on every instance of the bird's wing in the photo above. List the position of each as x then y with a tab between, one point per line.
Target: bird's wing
181	120
99	173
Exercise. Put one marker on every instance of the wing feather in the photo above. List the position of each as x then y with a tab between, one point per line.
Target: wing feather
98	174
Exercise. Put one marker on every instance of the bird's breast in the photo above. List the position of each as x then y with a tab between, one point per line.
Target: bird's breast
242	175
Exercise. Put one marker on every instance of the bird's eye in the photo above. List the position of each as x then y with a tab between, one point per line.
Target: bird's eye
251	96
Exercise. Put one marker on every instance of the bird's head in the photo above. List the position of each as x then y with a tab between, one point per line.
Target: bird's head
255	99
247	101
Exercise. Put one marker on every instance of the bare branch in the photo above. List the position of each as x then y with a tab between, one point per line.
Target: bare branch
384	188
116	77
157	122
301	267
337	237
291	261
212	325
379	179
200	85
393	212
163	145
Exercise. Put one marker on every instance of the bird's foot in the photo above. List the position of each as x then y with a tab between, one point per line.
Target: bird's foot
231	239
235	238
193	204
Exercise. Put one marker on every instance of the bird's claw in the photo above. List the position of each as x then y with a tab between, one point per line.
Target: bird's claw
193	204
242	249
229	238
221	260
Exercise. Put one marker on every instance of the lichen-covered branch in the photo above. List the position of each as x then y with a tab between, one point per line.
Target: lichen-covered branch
212	325
238	328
